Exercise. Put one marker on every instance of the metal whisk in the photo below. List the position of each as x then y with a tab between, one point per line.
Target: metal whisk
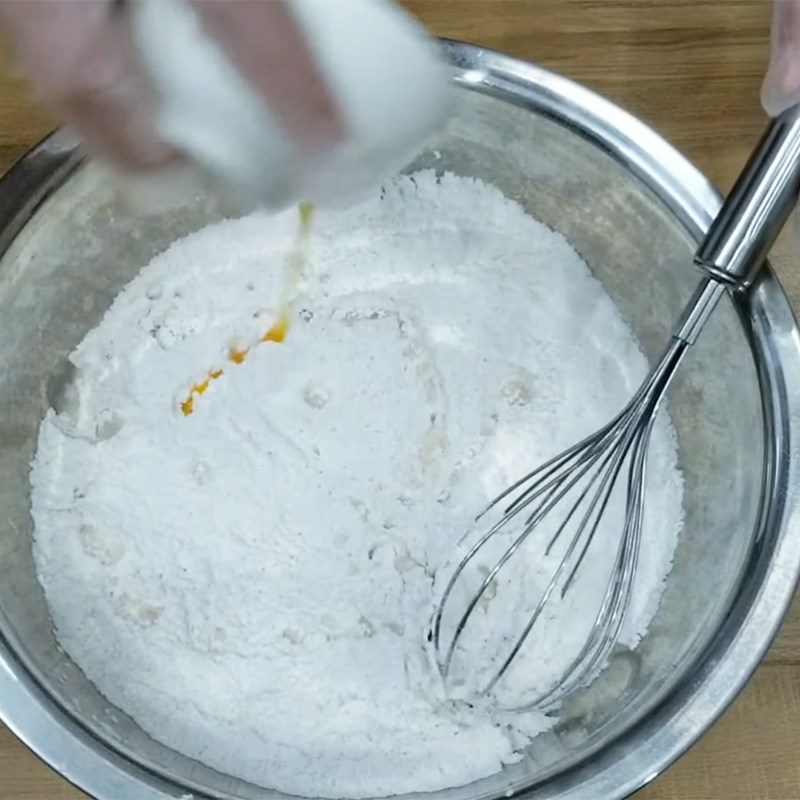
572	490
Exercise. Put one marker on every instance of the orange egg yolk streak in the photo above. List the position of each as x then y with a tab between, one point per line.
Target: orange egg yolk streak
277	333
237	355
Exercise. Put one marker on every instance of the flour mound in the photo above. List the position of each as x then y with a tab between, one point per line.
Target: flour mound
252	582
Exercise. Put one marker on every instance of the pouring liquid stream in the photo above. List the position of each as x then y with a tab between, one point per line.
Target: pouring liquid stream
278	331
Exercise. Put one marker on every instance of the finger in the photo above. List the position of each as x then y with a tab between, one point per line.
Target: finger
781	87
265	43
78	55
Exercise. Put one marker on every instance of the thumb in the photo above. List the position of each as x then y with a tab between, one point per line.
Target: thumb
781	87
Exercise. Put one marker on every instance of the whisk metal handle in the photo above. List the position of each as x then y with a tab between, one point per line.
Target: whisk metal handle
757	207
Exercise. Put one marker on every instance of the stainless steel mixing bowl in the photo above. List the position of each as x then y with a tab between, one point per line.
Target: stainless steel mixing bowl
634	208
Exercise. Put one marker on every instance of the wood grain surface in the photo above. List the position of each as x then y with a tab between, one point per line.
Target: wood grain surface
692	70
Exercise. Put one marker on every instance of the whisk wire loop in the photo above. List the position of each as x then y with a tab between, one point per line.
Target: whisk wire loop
584	475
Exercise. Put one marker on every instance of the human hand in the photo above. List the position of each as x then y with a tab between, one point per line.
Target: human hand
79	56
781	87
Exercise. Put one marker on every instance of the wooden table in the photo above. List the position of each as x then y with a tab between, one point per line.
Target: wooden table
691	69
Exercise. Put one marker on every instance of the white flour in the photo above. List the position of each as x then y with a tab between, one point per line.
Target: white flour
252	582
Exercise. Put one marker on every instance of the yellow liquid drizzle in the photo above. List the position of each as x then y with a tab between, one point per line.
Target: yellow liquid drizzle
277	333
299	257
238	354
280	328
187	406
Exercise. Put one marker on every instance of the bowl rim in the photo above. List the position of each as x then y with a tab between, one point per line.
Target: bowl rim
653	742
